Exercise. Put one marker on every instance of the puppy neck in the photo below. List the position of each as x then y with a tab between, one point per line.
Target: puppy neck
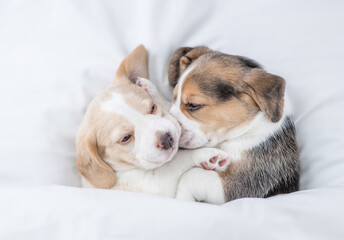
253	133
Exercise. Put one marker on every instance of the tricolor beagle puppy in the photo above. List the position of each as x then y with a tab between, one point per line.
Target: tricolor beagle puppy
232	103
128	141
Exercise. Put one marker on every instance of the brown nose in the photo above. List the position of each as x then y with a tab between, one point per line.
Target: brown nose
166	141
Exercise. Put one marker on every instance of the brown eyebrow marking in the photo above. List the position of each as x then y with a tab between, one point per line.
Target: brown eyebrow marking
175	93
218	89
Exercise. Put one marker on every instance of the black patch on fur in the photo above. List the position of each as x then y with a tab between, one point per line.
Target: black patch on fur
275	93
249	62
268	169
218	89
173	69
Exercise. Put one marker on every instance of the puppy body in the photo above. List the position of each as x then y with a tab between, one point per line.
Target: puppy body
254	133
163	181
128	141
231	103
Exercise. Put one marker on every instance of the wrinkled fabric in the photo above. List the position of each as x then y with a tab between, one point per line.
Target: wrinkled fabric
55	56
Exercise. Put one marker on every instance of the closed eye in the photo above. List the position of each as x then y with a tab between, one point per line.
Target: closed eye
193	107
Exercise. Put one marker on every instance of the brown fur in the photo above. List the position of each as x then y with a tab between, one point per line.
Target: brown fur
232	90
98	142
181	59
267	90
92	166
214	116
268	169
249	89
129	69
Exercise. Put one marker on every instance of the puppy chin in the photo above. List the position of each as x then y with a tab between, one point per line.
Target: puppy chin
160	159
147	165
191	140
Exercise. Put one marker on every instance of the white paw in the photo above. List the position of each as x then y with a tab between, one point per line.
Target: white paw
147	85
215	159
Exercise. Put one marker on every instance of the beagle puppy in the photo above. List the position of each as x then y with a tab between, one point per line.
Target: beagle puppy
127	140
232	103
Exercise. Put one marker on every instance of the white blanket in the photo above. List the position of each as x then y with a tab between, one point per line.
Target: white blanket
55	56
60	212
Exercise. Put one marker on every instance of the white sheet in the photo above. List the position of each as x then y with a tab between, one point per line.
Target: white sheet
60	212
56	55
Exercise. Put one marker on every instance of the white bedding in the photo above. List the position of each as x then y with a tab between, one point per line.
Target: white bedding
56	55
60	212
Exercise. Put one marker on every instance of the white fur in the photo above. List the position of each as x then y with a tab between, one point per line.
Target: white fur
145	127
156	173
196	184
254	133
200	185
164	180
206	186
154	93
192	136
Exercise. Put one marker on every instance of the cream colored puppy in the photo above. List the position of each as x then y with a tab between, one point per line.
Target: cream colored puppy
128	141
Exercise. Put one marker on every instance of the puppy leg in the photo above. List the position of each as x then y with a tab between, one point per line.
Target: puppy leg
201	185
184	160
152	90
211	159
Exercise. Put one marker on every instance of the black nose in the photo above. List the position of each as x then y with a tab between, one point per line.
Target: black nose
166	141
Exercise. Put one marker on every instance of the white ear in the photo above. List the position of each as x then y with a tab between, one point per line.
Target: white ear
133	66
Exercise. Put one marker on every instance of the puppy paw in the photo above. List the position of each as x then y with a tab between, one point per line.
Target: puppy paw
148	86
217	160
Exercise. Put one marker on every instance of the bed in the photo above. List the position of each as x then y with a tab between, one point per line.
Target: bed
55	56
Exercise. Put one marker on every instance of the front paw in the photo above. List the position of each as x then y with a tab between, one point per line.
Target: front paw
216	159
147	85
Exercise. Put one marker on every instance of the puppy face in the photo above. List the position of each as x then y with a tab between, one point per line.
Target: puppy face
123	128
217	95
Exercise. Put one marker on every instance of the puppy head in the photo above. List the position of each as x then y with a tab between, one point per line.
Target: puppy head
123	128
216	94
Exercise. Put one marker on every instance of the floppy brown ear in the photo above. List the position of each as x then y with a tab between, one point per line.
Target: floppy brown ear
133	66
267	90
181	59
92	167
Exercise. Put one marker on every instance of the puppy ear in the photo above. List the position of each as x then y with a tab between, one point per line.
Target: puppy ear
92	167
181	59
133	66
267	90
